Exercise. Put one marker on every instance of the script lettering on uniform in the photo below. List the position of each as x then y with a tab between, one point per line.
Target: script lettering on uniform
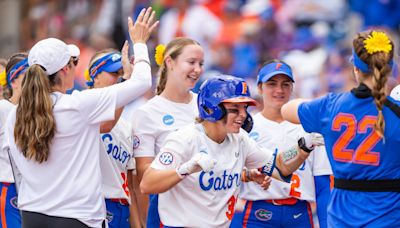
117	152
225	181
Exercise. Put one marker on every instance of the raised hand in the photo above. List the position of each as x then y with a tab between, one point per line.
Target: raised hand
140	31
126	65
200	161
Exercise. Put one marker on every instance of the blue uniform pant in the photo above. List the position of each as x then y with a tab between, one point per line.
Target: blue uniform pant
266	214
9	214
117	214
153	218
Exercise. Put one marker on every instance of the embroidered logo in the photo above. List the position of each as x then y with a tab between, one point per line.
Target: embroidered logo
14	202
109	217
168	120
263	215
166	158
254	135
136	142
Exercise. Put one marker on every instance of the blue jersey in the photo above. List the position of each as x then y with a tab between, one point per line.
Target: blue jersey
356	152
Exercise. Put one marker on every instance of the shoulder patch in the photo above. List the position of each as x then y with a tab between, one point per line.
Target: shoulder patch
166	158
136	142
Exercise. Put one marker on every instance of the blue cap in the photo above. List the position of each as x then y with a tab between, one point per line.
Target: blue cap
272	69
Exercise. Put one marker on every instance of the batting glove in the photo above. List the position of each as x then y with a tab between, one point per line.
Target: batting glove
200	161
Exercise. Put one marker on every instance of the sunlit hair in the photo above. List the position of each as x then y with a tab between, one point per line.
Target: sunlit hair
380	66
35	125
14	59
173	49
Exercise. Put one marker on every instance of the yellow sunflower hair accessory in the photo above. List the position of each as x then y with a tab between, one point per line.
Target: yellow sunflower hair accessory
87	75
159	55
3	78
377	42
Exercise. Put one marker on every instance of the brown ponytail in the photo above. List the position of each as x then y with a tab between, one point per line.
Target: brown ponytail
173	49
35	124
380	67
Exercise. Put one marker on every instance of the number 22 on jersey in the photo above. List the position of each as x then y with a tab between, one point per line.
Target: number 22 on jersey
362	154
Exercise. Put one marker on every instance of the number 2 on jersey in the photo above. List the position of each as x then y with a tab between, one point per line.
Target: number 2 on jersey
125	184
231	207
362	154
295	183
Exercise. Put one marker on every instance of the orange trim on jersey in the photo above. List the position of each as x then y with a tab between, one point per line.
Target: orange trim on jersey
3	199
332	179
161	225
310	214
247	213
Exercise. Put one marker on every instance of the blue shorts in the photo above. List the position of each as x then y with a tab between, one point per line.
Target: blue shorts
117	214
265	214
153	218
9	213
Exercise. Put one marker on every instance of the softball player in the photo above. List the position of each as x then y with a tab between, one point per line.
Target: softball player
198	169
181	64
11	80
284	204
56	146
116	159
361	131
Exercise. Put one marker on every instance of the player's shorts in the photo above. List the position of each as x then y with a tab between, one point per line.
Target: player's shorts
153	218
9	213
117	213
268	213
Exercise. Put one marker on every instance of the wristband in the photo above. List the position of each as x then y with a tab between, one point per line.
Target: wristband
302	145
121	79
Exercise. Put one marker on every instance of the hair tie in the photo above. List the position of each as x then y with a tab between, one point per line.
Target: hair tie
377	42
159	55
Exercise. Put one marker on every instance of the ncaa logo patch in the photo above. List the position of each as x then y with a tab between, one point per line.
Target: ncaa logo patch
168	120
263	215
136	142
166	158
254	135
14	202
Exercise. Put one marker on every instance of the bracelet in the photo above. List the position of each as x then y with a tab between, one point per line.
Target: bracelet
141	60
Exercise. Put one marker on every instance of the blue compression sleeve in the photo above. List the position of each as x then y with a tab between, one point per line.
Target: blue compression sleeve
322	191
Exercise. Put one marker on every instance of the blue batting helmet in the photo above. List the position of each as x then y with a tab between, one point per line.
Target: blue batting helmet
220	89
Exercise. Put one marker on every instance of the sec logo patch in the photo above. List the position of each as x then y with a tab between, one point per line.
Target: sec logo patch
136	142
166	158
168	120
263	215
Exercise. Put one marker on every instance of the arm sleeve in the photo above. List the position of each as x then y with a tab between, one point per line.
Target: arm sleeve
322	192
99	105
310	114
144	134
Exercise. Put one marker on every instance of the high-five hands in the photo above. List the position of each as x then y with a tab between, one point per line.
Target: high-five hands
140	31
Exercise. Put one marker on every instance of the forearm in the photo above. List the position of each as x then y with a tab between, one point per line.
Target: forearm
289	110
290	160
142	163
107	126
158	181
140	80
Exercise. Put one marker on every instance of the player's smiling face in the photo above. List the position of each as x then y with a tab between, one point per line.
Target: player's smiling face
187	68
276	91
235	116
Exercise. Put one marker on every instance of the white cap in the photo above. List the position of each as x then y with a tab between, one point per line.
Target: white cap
74	50
51	53
395	94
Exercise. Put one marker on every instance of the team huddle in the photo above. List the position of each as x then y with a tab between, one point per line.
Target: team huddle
187	159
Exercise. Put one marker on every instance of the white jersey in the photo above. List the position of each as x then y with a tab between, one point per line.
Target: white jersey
205	199
153	121
115	160
271	134
6	174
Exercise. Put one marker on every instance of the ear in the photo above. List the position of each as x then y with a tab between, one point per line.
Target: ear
169	62
259	88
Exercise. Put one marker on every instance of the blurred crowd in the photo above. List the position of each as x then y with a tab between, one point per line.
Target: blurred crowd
313	36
